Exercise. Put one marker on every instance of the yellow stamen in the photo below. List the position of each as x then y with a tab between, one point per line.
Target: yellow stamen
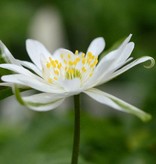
55	78
70	63
66	68
56	61
90	54
83	69
77	59
53	63
56	72
59	66
91	74
83	61
89	60
70	66
76	52
83	55
96	61
50	80
48	65
69	56
74	63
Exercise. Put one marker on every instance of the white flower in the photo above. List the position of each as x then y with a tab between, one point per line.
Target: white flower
65	73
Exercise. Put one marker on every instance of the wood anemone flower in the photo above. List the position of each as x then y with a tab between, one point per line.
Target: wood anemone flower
64	73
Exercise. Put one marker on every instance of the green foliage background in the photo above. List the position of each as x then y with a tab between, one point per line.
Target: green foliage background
47	137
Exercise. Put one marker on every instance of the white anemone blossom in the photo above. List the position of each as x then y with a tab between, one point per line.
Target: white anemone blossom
64	73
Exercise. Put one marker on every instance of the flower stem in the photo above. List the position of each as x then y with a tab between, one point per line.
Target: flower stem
76	139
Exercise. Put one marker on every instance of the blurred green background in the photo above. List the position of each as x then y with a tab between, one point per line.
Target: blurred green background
107	136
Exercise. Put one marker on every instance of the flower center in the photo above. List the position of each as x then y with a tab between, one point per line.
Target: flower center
70	66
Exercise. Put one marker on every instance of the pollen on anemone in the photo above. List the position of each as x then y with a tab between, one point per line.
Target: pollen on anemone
77	68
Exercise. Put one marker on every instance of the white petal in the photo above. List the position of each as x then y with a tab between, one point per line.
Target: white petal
115	64
31	66
121	57
60	51
44	97
96	46
110	62
41	101
15	68
126	52
32	83
116	103
6	84
116	58
73	85
44	107
7	55
122	52
44	101
21	70
14	79
11	84
36	52
38	102
125	41
132	64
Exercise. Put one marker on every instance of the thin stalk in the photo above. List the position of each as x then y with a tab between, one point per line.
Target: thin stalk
76	139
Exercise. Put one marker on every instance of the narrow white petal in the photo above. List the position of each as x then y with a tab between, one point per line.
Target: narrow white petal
116	58
14	79
125	41
15	68
116	103
44	107
11	84
31	66
7	55
32	83
43	101
130	65
36	52
125	54
96	46
41	86
6	84
21	70
44	97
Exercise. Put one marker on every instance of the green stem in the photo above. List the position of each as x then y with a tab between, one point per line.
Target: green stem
76	139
